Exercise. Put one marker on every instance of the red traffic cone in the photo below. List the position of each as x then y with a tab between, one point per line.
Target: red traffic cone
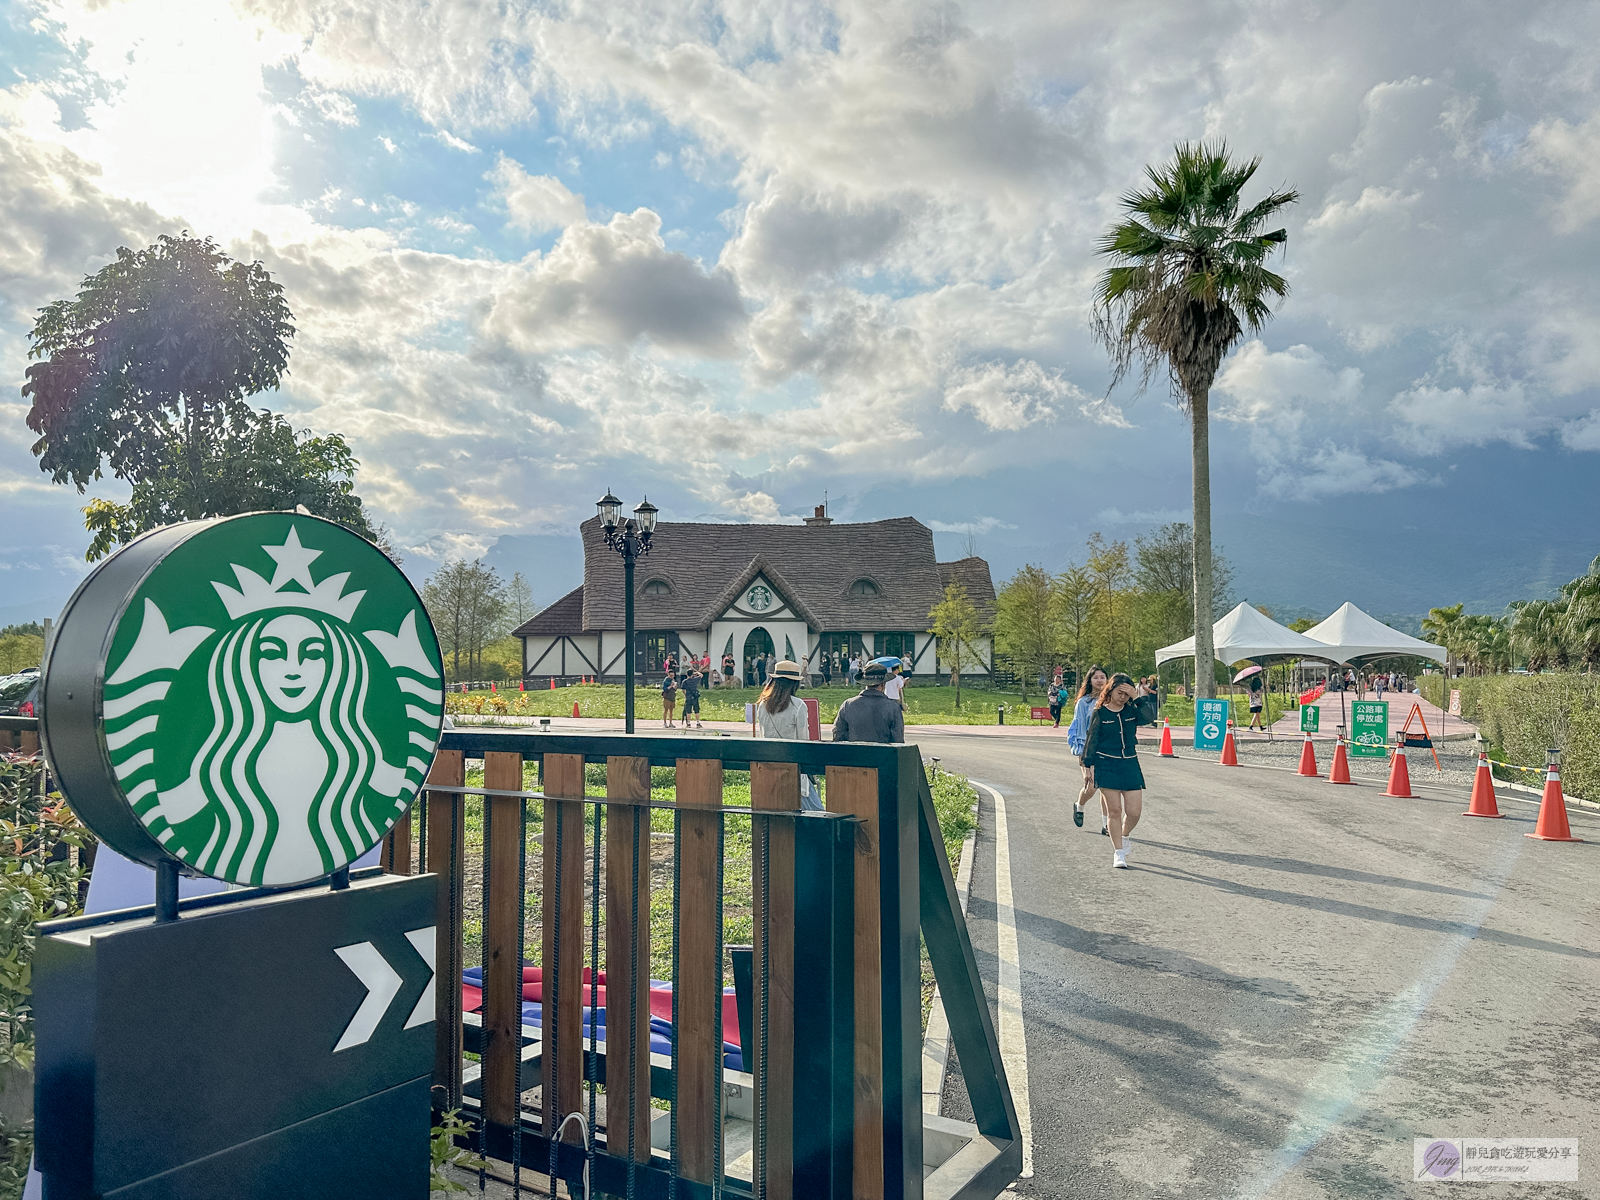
1308	760
1230	756
1399	775
552	683
1166	739
491	685
1552	824
1339	772
522	685
1483	798
574	708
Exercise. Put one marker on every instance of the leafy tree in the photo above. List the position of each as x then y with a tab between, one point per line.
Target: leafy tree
958	626
467	604
144	367
1074	602
1301	624
1582	596
257	462
1110	567
1188	279
1025	623
519	600
1539	631
1163	569
1443	626
20	650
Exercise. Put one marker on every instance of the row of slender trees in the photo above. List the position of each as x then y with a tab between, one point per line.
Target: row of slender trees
1558	634
1116	608
474	611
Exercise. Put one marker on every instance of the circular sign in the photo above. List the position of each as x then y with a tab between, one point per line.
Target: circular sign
258	698
760	597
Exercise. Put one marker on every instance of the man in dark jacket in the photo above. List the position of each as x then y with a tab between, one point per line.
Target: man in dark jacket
871	716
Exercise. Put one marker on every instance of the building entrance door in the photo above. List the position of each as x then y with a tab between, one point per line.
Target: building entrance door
757	644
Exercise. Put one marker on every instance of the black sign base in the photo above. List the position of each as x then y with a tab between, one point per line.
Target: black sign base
278	1045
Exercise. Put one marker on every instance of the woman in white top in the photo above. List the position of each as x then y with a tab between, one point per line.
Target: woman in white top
782	714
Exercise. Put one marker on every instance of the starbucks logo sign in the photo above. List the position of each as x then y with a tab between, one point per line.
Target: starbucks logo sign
257	697
759	598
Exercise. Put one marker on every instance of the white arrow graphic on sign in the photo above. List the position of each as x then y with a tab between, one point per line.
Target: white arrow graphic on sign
426	943
382	982
1211	731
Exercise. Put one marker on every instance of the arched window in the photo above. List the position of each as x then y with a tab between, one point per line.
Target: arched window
864	587
657	587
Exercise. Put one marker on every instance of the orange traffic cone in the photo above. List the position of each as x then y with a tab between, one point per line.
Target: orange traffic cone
1166	739
1483	799
1308	760
1552	824
491	685
1339	772
522	685
1230	756
1399	775
552	683
574	708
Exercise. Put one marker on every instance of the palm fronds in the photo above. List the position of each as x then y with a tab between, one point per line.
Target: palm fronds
1188	274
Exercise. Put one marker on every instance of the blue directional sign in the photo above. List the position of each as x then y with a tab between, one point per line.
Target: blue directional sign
1210	724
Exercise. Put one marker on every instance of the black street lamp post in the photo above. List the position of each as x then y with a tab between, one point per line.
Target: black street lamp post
631	539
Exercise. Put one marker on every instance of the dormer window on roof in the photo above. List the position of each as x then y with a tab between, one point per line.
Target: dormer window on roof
657	587
864	587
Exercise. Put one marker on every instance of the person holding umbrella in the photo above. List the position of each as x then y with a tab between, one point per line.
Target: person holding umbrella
1251	677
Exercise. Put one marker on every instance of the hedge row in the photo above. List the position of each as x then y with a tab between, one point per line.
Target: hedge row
1525	715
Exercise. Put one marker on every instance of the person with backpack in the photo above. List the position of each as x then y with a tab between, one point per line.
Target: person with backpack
1055	697
691	697
669	699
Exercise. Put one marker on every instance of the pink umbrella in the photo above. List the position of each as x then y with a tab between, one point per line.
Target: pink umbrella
1246	673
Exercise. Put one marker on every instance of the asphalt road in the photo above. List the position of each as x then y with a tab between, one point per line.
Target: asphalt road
1293	982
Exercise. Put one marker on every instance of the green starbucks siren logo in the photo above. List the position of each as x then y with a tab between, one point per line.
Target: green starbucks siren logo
271	697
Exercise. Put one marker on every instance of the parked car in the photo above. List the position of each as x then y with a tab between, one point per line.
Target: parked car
19	694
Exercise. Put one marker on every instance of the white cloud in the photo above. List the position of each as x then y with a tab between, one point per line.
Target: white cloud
1484	406
1016	396
447	138
1572	154
535	203
1337	471
1584	433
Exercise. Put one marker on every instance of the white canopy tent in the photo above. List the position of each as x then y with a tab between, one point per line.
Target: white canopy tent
1248	633
1350	635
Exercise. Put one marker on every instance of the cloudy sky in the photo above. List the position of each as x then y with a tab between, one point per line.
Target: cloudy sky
738	255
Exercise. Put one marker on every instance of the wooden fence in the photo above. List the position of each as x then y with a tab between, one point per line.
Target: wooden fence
830	1102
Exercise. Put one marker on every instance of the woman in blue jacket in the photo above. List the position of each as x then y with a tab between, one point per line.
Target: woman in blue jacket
1077	733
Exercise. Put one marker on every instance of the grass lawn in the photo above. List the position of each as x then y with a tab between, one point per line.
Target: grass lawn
925	704
955	800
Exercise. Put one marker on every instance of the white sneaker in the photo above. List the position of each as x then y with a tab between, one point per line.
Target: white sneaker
1119	858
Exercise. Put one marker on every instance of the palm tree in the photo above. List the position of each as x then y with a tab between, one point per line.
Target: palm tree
1538	630
1583	614
1188	279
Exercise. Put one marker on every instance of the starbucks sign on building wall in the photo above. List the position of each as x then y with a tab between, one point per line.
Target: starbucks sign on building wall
258	698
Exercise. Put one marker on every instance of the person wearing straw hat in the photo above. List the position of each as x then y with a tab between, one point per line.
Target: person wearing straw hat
871	716
782	714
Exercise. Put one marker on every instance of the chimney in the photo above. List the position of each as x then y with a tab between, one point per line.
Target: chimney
820	517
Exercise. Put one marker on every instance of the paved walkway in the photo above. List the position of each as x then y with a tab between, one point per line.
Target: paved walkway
1335	708
1291	983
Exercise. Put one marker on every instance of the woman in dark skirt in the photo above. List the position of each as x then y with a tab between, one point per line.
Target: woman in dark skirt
1112	752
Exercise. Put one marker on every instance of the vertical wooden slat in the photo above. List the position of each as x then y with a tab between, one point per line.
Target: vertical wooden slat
854	792
699	981
563	996
775	787
446	843
627	957
30	741
502	939
396	853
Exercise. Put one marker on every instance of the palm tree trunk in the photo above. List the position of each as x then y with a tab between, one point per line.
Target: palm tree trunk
1205	683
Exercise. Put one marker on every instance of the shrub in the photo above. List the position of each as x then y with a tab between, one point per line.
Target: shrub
1525	715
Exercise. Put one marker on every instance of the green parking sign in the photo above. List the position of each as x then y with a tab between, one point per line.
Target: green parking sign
1310	715
1369	728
